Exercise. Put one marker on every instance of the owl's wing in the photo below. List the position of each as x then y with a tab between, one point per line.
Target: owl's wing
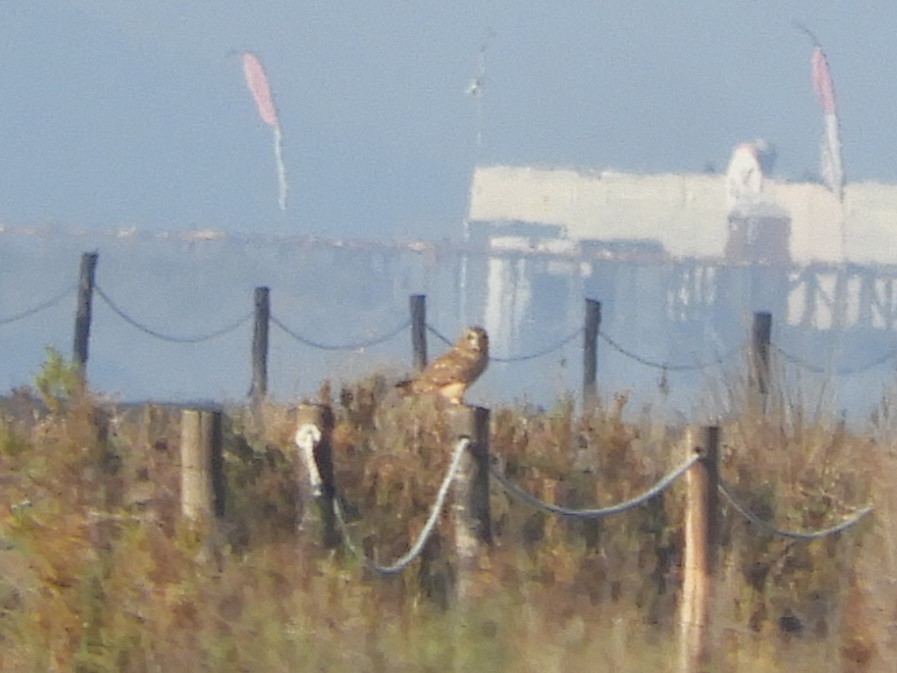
443	371
450	367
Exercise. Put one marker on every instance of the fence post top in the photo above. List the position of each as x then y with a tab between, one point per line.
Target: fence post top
471	408
465	414
319	415
201	406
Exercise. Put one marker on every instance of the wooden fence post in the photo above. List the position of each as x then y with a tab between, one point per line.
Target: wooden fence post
314	425
590	351
471	511
202	467
418	304
83	311
699	557
760	340
259	388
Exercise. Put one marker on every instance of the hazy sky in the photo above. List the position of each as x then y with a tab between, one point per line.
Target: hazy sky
131	113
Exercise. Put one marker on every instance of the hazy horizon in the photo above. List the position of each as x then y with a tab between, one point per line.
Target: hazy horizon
131	114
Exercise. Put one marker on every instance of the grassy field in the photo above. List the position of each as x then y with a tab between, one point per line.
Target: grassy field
98	572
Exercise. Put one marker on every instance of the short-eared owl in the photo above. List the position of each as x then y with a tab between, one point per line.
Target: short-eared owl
452	372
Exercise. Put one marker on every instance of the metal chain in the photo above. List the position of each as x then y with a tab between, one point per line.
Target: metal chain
846	371
655	490
27	313
538	354
439	335
664	365
797	535
514	358
418	546
167	337
341	347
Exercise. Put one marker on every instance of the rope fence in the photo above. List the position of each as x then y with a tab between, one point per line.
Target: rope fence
514	490
700	537
652	492
858	516
418	545
311	439
471	478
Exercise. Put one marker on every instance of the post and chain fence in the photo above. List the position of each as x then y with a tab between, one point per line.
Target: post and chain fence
360	344
418	325
171	338
54	300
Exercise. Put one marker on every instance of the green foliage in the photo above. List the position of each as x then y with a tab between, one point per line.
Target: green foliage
57	380
12	442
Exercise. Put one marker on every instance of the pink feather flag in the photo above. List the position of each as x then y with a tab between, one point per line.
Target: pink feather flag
831	165
822	81
259	87
257	81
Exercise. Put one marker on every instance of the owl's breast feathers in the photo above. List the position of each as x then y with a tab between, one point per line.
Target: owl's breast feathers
452	372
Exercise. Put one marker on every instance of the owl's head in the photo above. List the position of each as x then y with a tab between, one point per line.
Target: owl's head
475	339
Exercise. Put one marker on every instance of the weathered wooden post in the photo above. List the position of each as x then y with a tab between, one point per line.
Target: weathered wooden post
83	310
202	466
760	339
418	304
699	557
471	511
314	425
590	351
262	303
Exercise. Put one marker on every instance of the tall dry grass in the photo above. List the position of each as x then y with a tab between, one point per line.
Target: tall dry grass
98	573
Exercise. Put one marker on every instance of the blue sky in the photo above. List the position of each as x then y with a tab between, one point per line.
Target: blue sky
120	113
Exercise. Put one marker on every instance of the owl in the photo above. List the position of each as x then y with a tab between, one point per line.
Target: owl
452	372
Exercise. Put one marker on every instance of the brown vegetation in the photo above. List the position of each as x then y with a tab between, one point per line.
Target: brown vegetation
97	572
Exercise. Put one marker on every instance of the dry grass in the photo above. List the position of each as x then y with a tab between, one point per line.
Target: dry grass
99	574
